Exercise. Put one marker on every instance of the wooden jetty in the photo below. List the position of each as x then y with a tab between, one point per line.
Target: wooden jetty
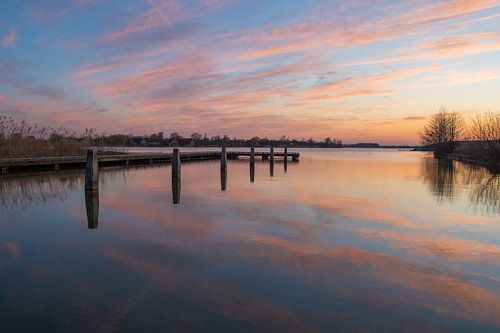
14	165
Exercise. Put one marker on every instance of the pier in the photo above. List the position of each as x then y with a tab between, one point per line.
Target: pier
15	165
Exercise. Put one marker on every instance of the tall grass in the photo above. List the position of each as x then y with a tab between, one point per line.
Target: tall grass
19	138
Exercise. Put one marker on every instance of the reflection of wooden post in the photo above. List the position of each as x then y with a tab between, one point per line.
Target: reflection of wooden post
5	170
252	173
223	179
176	189
56	167
176	176
92	206
223	159
92	172
271	155
252	156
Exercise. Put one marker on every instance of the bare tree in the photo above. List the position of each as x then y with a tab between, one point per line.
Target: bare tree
443	131
485	128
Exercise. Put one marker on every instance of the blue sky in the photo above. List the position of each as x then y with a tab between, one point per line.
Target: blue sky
355	70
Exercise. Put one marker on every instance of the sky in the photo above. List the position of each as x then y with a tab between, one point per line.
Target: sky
359	71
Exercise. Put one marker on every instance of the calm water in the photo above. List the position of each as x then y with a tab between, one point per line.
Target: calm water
347	240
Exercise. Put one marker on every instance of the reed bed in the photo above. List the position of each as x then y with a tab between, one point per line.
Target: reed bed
19	138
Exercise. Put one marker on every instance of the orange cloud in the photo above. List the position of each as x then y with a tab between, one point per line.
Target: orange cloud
10	38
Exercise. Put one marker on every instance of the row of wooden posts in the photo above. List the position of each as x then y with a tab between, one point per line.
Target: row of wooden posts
92	179
92	170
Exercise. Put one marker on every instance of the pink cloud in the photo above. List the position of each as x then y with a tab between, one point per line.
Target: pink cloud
10	38
453	46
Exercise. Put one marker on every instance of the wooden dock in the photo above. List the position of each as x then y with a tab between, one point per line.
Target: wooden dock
79	162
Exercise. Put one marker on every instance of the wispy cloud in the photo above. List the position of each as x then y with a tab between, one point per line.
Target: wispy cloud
10	38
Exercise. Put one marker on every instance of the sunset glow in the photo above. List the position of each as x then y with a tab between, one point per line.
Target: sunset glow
355	70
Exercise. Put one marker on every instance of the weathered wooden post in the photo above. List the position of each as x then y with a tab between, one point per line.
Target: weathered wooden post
92	172
92	207
176	176
176	163
223	159
252	156
285	159
271	169
5	170
271	155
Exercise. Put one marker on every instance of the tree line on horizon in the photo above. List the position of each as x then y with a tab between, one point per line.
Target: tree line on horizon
23	139
202	140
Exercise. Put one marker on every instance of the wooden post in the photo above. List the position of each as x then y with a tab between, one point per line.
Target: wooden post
223	159
285	159
252	156
176	163
176	176
92	172
271	169
92	207
5	170
271	155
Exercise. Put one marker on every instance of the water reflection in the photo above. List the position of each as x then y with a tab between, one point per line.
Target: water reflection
92	208
223	179
447	179
440	176
252	173
351	242
176	190
27	190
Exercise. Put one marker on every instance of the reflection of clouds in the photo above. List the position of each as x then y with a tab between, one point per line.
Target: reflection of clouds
13	250
212	296
439	291
282	254
448	178
432	245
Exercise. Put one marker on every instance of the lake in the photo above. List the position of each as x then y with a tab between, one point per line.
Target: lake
351	240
